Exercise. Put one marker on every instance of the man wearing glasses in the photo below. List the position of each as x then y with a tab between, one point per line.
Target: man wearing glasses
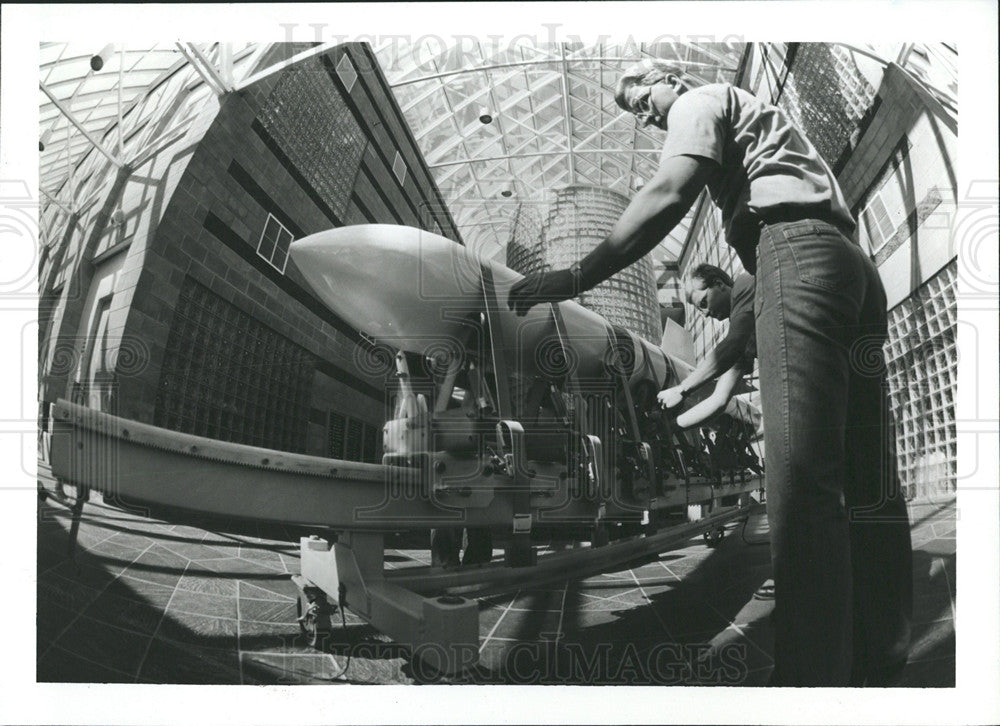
840	537
717	295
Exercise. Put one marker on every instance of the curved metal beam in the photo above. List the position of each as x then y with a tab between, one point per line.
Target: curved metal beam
203	66
546	61
562	152
567	115
945	98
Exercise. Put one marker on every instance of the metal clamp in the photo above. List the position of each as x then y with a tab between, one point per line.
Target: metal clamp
645	462
644	473
593	459
522	523
510	437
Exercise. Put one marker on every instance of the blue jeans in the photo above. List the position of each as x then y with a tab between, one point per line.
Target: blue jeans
840	534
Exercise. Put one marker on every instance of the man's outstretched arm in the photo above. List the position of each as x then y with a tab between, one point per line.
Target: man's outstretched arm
721	358
649	217
716	402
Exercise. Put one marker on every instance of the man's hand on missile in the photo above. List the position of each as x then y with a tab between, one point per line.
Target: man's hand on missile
671	397
544	287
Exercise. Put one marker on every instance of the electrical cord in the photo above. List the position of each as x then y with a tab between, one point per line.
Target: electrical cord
343	621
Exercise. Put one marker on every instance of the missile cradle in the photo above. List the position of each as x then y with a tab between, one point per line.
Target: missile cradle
558	405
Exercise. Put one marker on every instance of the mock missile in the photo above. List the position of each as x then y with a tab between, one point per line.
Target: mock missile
415	290
422	293
550	416
546	419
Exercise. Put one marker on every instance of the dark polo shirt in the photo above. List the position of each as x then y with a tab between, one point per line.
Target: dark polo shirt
741	319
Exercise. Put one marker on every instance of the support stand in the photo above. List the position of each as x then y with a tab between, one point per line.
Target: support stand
441	632
82	497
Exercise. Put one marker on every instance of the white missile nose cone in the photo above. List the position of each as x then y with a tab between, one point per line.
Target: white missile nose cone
303	250
402	285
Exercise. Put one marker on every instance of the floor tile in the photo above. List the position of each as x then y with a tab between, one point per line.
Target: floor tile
61	666
130	612
205	632
168	662
197	603
159	566
206	582
107	646
266	559
292	668
156	594
222	608
69	593
51	620
268	589
269	611
192	550
528	625
279	637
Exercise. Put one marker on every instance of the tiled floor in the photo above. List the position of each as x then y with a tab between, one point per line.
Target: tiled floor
149	601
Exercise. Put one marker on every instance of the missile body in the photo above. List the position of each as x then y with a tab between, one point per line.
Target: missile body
417	291
559	401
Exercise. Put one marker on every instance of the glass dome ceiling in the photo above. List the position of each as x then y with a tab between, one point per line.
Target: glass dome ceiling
552	120
69	84
89	99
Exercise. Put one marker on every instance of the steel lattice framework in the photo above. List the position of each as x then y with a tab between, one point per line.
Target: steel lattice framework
554	122
553	117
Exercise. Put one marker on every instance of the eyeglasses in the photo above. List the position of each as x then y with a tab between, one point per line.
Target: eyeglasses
641	106
699	299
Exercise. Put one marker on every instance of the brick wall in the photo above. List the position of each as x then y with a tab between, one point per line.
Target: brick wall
196	213
248	167
126	208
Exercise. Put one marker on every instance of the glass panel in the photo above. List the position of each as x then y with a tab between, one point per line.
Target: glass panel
281	249
337	434
267	239
258	380
314	127
355	440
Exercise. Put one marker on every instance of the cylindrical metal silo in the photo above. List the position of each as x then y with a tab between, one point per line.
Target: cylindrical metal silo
555	230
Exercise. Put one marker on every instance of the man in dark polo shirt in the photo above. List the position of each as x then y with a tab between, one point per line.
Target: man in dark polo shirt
840	536
712	291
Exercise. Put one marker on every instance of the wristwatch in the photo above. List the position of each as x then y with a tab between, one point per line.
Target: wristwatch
577	274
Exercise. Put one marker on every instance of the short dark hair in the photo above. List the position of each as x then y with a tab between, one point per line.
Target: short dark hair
710	274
